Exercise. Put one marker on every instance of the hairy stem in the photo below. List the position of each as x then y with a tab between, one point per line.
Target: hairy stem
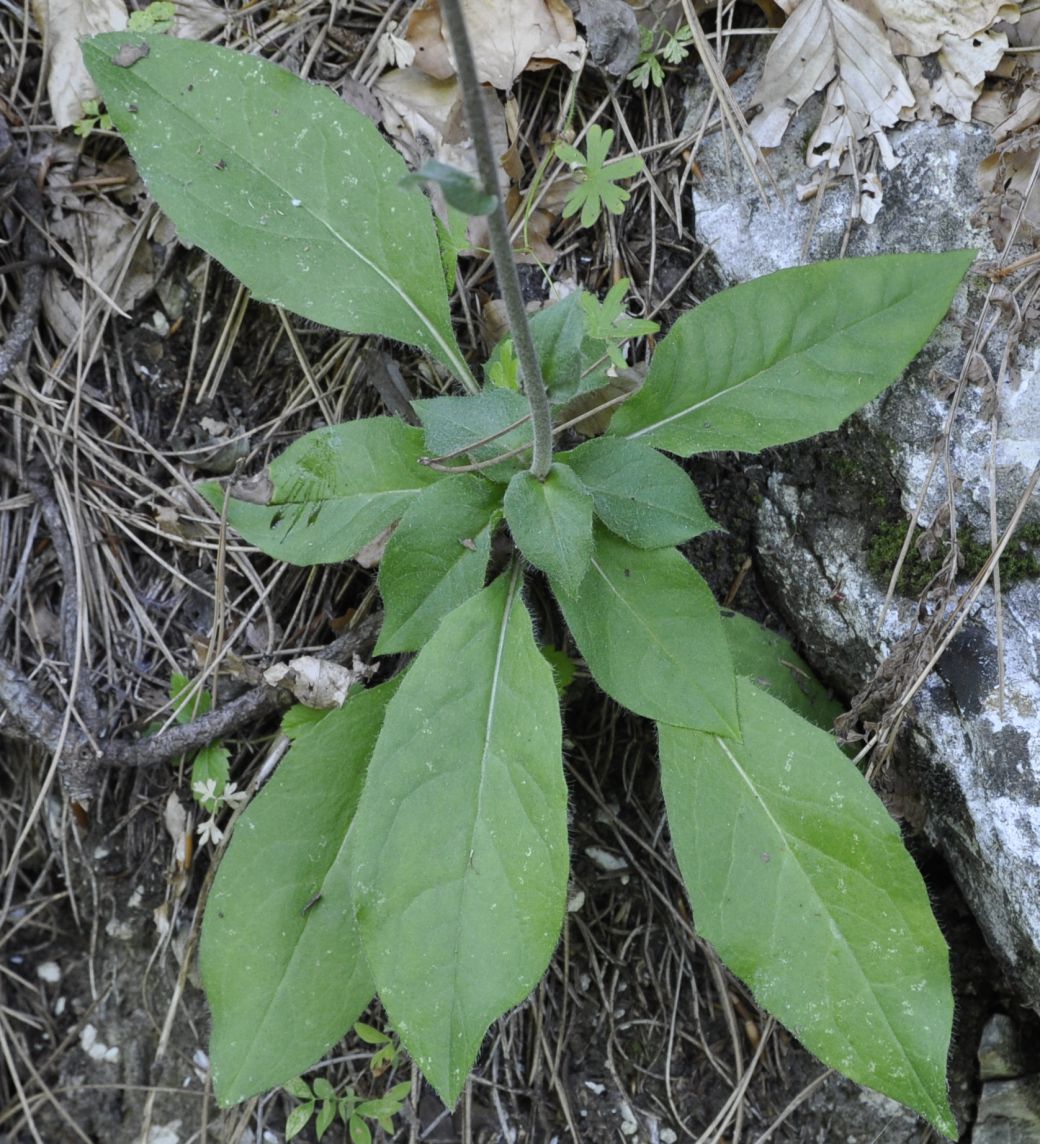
501	247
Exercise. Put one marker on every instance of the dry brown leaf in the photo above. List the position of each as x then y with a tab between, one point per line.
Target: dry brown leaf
827	42
925	26
426	119
197	19
64	23
965	64
508	37
317	682
103	242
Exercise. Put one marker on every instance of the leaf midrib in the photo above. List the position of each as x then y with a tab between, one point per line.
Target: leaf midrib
424	320
921	1082
655	639
758	374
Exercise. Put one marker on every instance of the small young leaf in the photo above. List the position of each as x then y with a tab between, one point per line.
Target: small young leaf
333	491
639	494
281	963
650	632
597	190
187	705
453	423
551	522
284	182
299	1088
772	664
360	1133
296	1121
460	854
789	355
558	332
461	189
799	878
436	559
370	1035
323	1090
157	17
326	1115
211	765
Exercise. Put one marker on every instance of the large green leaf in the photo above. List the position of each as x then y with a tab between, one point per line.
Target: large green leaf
453	424
284	182
800	880
649	630
639	494
771	663
280	956
551	522
332	491
461	847
436	559
791	354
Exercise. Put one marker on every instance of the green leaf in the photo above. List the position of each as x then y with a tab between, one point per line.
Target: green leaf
800	880
299	719
460	855
461	189
332	491
282	967
210	765
789	355
359	1131
551	522
157	17
296	1121
597	190
326	1115
650	632
323	1090
188	704
558	332
639	494
772	664
454	423
370	1035
562	665
299	1088
282	181
436	559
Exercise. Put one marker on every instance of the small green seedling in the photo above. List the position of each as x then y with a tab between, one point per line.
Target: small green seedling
598	190
672	47
93	119
156	17
211	766
413	843
321	1098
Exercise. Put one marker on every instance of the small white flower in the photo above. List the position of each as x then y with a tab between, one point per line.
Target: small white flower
204	791
209	831
235	797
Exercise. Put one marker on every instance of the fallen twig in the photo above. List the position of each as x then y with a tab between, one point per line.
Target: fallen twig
34	253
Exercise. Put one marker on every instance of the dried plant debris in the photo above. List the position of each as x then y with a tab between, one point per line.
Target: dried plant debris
508	37
869	61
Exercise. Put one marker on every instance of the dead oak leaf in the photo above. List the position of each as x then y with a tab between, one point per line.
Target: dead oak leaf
507	36
965	64
926	26
829	44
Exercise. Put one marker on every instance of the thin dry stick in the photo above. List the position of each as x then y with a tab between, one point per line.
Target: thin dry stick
33	255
